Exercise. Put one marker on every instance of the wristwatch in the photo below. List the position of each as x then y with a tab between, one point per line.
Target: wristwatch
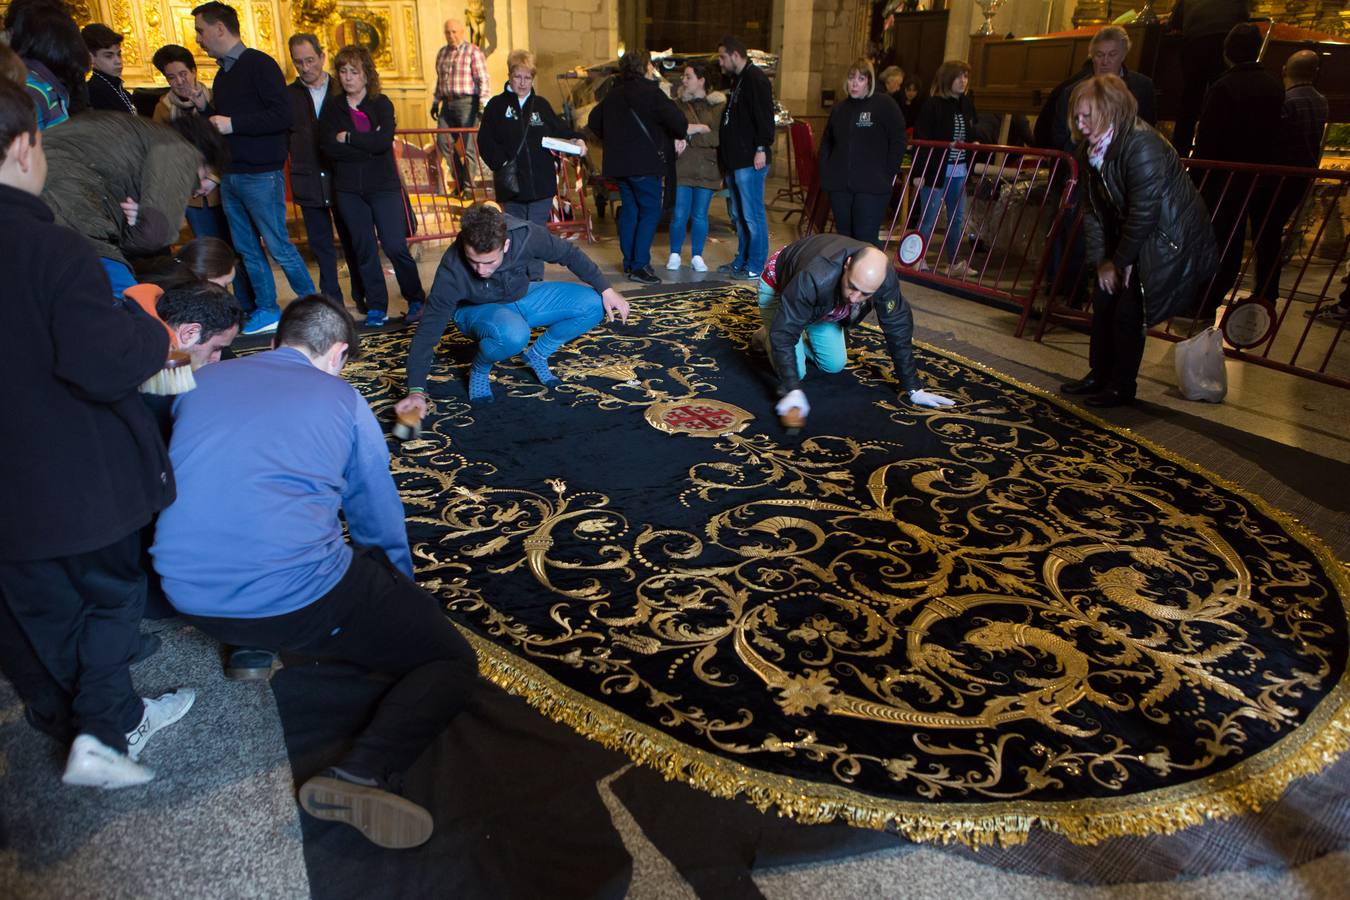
761	149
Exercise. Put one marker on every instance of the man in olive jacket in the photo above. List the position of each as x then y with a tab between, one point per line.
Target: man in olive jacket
85	470
124	182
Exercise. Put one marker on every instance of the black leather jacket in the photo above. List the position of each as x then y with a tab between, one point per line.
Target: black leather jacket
1142	210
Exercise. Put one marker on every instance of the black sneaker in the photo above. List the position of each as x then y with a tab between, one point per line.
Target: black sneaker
644	275
385	818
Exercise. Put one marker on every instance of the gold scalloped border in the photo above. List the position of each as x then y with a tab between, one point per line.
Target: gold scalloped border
1255	782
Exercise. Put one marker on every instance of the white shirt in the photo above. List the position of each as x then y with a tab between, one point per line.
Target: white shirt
317	94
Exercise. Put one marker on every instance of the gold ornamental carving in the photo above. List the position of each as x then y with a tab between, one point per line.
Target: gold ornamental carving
154	25
410	37
262	20
131	47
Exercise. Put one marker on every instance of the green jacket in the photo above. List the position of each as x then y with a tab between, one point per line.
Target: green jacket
98	159
697	165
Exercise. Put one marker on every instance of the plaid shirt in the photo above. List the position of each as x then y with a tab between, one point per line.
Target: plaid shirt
1303	120
461	71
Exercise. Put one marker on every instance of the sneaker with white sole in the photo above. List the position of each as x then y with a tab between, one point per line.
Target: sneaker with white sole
92	763
263	321
674	262
159	713
698	264
382	816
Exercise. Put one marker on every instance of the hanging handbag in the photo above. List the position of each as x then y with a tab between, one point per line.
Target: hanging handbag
506	177
668	194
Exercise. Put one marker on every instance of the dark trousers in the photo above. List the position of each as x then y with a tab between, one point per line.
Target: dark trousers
535	211
210	221
1201	62
1283	198
377	618
859	215
382	212
319	224
638	217
70	628
1117	345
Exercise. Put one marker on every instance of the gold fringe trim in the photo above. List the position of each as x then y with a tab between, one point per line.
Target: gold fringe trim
1246	788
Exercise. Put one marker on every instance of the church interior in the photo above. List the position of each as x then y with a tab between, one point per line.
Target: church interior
1014	648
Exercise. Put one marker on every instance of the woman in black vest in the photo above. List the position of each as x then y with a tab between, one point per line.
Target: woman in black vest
356	132
643	131
940	175
860	154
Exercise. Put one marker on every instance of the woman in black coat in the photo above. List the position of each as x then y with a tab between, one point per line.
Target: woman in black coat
643	131
860	155
514	125
947	116
1146	232
356	133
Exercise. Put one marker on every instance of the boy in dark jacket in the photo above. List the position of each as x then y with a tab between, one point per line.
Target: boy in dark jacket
70	580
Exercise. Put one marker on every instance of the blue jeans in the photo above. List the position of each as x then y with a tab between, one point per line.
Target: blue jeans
745	203
565	310
690	201
953	196
255	205
829	350
638	217
210	221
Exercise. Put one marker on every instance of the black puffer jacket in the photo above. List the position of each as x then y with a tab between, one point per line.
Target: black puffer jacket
499	136
631	151
1143	211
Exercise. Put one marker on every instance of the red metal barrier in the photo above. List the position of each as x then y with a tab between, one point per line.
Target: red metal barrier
995	243
444	175
1281	238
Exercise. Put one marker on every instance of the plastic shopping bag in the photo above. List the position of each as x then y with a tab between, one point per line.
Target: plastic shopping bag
1200	367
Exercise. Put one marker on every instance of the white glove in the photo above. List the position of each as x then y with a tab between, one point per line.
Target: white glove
793	399
932	401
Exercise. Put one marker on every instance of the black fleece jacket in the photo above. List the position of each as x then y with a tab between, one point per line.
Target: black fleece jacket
84	462
863	146
747	121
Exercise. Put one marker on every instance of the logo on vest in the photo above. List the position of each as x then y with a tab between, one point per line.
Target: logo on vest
536	120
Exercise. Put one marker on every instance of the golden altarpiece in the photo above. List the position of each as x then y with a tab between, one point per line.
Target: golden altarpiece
390	29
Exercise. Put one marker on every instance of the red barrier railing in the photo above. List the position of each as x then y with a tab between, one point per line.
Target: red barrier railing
1280	238
444	175
988	231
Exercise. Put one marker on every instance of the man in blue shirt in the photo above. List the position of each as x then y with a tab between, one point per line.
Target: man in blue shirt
267	450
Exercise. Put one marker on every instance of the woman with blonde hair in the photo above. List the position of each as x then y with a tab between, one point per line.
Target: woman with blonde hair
860	154
1146	231
947	116
356	133
510	142
697	174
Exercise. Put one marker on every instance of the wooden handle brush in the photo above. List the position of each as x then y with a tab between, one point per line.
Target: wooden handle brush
408	425
176	376
793	420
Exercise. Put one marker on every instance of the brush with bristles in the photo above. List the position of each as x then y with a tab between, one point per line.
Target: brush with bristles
174	378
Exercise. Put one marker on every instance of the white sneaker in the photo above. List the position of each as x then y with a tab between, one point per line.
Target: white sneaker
159	713
960	270
93	763
698	264
674	262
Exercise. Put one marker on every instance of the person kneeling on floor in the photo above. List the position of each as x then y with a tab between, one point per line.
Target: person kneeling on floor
483	283
811	292
269	450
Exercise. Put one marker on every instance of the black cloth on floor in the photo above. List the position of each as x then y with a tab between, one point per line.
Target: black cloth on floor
513	797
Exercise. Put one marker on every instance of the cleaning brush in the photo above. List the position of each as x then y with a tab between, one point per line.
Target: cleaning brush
174	378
